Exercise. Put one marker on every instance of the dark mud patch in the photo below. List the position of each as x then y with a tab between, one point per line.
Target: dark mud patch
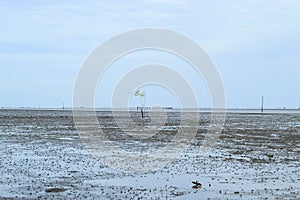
55	190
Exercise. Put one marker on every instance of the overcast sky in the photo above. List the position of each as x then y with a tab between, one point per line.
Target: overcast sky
255	45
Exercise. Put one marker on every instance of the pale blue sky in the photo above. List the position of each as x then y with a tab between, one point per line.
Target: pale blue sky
254	43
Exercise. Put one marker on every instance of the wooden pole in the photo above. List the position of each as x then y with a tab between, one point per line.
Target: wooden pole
262	104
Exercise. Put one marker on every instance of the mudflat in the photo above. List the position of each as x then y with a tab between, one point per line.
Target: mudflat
255	156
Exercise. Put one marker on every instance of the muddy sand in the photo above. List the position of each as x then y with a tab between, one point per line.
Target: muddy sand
257	156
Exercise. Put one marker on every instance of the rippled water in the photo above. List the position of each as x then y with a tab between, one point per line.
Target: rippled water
256	156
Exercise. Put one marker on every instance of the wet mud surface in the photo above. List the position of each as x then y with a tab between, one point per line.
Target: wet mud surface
257	156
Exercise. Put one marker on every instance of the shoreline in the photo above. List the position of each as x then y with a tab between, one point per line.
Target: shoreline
200	110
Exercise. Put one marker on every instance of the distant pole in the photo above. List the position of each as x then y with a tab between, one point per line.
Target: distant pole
63	105
262	104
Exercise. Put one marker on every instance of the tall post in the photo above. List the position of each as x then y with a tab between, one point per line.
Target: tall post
142	112
262	104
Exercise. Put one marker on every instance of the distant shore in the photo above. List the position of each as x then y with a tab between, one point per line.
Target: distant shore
229	110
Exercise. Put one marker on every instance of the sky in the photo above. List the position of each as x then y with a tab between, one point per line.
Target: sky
254	44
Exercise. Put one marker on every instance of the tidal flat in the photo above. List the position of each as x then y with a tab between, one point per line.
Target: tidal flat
256	156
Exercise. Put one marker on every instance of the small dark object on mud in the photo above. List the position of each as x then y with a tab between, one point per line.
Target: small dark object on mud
197	184
236	192
55	190
270	155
